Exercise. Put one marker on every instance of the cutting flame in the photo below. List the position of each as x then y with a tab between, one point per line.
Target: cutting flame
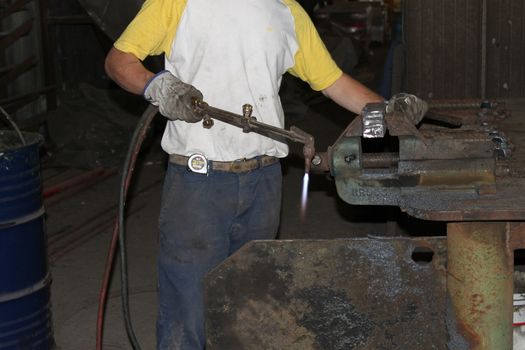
304	196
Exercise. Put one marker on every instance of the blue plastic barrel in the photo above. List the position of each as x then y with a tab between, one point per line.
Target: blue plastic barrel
25	313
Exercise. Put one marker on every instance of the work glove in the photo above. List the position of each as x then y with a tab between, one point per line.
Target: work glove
173	97
411	106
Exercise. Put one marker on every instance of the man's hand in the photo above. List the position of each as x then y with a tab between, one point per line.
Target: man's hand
411	106
173	97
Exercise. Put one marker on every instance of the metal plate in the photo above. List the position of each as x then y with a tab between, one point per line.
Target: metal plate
365	293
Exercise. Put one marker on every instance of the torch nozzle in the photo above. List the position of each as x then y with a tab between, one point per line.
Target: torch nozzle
307	165
309	146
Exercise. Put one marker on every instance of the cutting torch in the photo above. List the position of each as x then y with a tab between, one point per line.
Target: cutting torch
248	123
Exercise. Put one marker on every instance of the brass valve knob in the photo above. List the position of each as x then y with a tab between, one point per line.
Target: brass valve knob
247	110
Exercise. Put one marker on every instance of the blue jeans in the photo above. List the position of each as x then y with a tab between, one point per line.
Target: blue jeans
203	220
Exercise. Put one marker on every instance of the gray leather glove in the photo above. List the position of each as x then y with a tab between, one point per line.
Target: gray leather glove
173	97
411	106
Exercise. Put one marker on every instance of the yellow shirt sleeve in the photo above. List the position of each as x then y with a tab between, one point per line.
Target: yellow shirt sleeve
313	62
153	29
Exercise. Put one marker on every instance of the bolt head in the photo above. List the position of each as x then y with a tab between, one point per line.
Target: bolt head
350	158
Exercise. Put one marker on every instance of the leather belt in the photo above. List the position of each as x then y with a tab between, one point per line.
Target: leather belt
236	166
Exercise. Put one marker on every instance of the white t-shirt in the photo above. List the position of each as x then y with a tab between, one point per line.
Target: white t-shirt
235	52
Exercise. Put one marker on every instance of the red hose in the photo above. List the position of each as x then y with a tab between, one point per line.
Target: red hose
87	176
105	285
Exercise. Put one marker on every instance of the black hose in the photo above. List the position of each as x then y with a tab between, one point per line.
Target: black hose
129	165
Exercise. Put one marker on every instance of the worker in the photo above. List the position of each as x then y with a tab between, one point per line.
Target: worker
222	186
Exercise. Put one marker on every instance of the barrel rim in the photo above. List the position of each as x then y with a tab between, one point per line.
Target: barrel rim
30	137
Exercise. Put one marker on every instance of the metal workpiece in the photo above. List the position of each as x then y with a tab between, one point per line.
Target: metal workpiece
362	293
463	164
373	118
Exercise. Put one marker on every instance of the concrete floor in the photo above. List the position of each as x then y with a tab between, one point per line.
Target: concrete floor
79	230
79	226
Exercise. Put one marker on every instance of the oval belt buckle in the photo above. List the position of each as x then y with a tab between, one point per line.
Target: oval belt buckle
198	163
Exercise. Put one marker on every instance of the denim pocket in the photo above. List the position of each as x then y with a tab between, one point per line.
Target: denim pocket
178	179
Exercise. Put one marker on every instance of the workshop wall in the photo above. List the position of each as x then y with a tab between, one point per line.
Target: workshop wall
81	46
464	49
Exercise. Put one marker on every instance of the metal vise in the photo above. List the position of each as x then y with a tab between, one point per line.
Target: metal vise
457	157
